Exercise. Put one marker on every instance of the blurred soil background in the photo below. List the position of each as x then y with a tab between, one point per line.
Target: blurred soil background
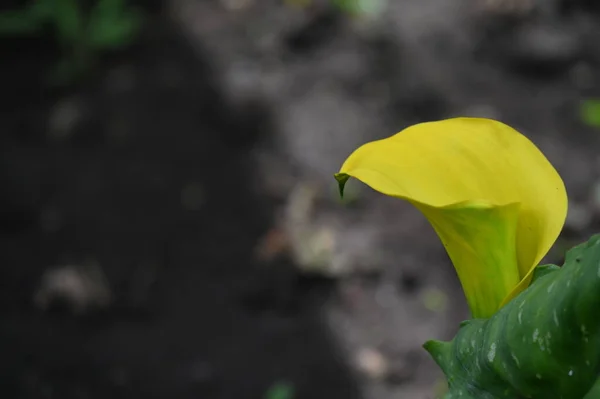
169	223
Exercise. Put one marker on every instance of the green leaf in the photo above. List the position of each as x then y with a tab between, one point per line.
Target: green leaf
40	10
112	24
595	392
17	22
542	270
27	20
590	112
360	7
544	344
280	390
68	21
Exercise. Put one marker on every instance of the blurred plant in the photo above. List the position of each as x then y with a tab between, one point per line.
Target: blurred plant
360	7
81	34
590	112
350	7
280	390
498	206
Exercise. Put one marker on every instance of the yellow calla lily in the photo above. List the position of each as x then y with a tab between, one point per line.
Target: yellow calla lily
492	197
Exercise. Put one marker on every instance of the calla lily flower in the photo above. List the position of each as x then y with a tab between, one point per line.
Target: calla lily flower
493	198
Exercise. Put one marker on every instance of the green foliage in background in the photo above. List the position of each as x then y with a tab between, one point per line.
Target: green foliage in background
544	344
81	34
590	112
351	7
360	7
280	390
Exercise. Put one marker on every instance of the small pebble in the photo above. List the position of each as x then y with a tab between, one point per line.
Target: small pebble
64	117
372	363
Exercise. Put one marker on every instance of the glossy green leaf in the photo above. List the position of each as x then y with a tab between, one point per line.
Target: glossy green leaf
595	392
544	344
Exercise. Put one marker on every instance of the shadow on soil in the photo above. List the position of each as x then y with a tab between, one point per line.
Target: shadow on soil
149	179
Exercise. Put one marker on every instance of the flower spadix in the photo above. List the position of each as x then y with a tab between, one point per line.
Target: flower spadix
492	197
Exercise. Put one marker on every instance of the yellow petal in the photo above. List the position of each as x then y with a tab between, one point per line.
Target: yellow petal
494	199
480	240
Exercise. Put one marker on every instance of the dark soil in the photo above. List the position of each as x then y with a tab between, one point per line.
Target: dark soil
192	315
